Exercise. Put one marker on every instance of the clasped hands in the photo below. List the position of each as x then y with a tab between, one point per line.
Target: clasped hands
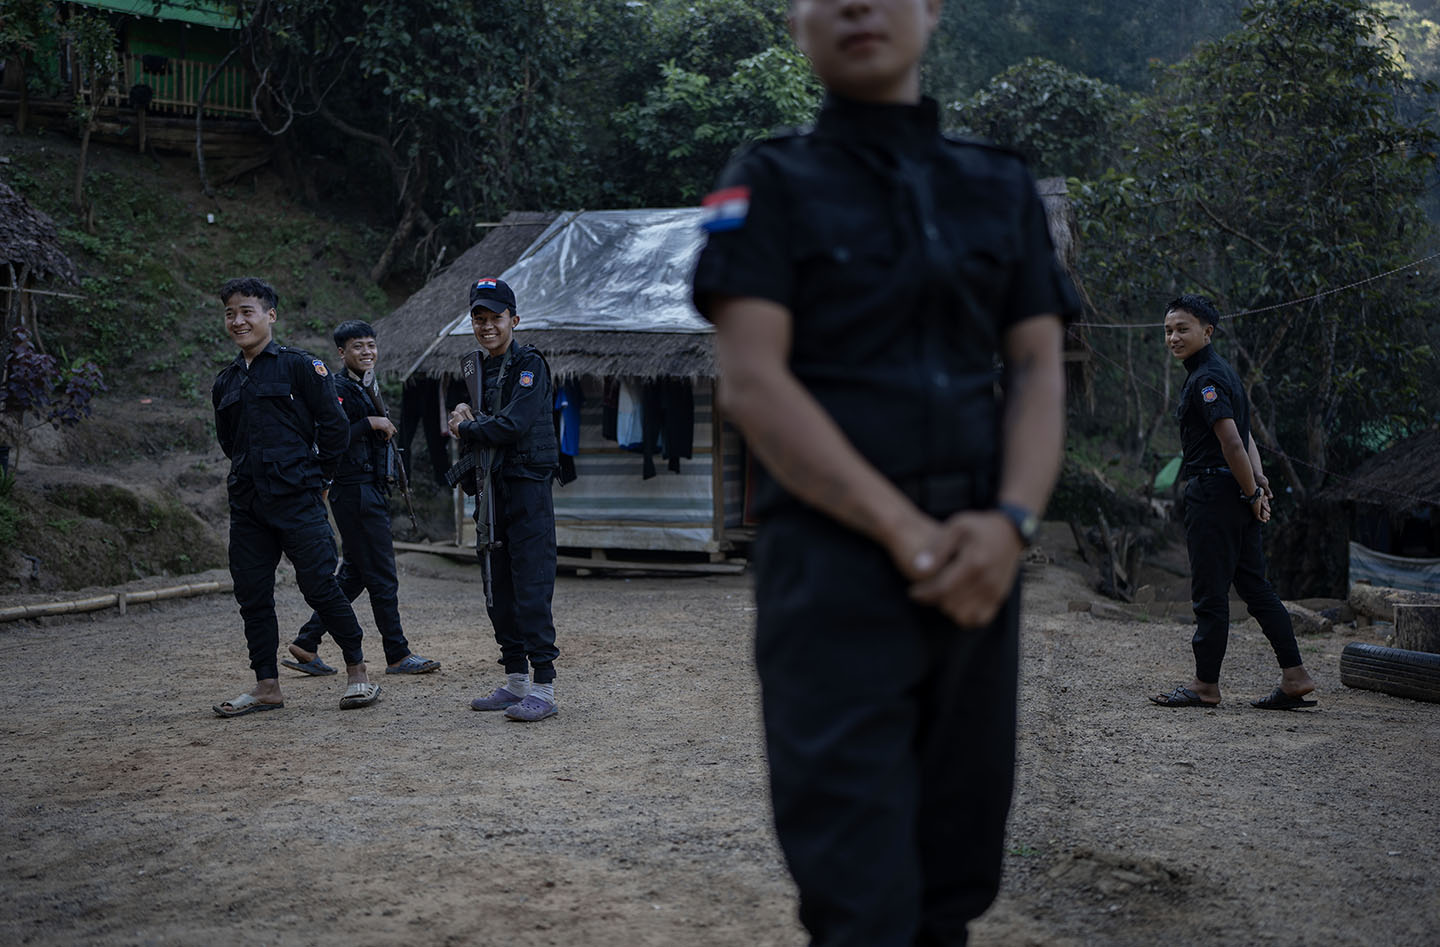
965	566
1261	508
461	414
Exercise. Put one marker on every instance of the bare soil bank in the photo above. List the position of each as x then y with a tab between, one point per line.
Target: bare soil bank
639	815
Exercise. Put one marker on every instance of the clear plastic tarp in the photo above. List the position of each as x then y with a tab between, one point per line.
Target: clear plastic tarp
619	270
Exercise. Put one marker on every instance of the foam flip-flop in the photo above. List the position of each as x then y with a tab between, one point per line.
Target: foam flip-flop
1279	700
315	668
360	695
244	704
413	664
1181	697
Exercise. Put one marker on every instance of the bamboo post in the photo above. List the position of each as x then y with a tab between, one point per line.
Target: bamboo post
120	600
717	470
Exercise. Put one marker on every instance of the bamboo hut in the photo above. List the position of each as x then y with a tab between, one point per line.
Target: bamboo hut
29	253
610	504
1393	506
605	295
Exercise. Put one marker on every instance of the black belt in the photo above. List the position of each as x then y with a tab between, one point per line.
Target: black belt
1211	471
943	494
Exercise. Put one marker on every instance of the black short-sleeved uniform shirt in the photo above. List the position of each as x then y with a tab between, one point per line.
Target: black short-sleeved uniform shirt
903	258
279	422
1212	391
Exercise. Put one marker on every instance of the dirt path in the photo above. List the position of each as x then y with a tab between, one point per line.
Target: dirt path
639	815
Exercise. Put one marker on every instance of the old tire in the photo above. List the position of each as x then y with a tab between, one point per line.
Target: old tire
1413	674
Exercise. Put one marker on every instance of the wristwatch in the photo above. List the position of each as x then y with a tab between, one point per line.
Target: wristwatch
1025	522
1253	498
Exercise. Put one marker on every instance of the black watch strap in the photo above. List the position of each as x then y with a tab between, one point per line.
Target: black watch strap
1026	523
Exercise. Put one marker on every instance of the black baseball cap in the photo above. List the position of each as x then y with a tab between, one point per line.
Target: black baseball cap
494	294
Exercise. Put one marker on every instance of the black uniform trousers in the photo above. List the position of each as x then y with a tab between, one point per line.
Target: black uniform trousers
1223	539
260	530
362	513
523	577
891	740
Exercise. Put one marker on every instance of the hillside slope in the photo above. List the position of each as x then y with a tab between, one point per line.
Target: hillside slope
133	490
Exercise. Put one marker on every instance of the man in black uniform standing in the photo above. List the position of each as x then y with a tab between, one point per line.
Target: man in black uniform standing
278	420
359	501
1227	497
516	420
863	279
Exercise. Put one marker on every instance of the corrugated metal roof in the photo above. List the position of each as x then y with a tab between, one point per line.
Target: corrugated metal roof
223	16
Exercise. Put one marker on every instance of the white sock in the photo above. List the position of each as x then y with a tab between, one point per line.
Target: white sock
546	691
517	684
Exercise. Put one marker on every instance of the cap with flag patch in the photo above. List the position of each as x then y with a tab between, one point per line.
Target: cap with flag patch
493	294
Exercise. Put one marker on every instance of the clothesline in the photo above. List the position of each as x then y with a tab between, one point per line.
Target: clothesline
1250	312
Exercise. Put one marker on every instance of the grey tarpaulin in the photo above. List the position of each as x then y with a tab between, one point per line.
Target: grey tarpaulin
1395	572
625	270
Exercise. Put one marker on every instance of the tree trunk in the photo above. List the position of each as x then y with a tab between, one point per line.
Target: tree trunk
200	118
1307	622
397	240
1378	601
22	111
80	167
1316	441
1417	627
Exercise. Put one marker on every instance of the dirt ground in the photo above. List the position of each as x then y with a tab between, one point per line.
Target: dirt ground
639	815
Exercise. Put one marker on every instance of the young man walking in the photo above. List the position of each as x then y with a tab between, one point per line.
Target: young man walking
278	420
359	501
1227	497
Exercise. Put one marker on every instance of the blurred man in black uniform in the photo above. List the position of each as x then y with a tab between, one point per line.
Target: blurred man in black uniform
1227	497
864	280
516	419
278	420
360	503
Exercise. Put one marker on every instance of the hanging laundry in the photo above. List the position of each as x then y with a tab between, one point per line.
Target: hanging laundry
668	422
609	408
629	428
568	400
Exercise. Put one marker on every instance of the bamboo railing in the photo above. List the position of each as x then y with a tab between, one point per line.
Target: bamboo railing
177	89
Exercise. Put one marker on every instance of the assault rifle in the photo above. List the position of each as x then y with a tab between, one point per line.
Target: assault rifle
394	466
479	463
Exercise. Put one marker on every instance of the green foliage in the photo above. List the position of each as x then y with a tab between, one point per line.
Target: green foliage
1270	166
687	127
1064	123
97	61
23	26
1113	41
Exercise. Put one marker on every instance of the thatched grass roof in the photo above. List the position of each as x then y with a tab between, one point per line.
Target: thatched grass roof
409	336
411	331
1403	478
30	238
1060	216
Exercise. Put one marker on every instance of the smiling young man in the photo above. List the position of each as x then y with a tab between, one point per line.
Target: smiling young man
864	279
515	419
278	420
1227	497
360	503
